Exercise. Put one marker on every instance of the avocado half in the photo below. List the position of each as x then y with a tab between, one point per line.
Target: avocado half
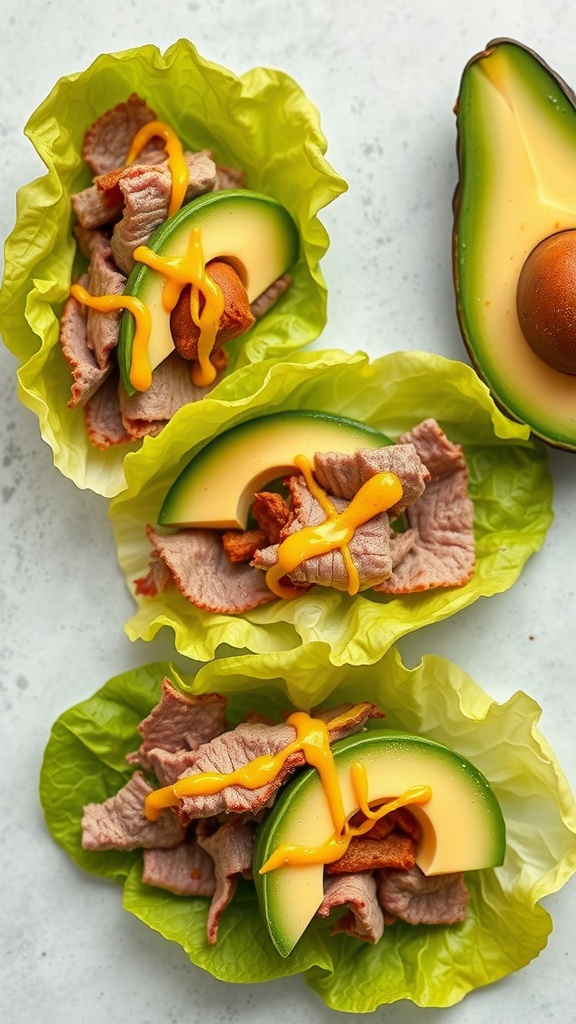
516	147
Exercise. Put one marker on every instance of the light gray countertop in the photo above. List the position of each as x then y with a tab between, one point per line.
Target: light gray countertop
385	78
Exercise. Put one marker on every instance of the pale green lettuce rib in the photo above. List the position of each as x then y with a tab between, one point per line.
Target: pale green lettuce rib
433	966
509	484
261	122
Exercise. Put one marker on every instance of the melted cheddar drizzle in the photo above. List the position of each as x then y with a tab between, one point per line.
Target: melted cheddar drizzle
176	160
180	271
140	371
313	741
376	495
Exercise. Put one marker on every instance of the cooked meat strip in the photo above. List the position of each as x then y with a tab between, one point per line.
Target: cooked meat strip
146	412
236	317
343	475
273	515
108	140
240	746
229	177
367	852
102	415
146	191
168	765
357	892
423	899
203	573
94	207
120	823
87	375
268	298
231	847
369	547
180	720
442	554
242	546
104	278
186	869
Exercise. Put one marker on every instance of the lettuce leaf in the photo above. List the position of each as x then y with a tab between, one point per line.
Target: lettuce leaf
509	485
261	122
433	966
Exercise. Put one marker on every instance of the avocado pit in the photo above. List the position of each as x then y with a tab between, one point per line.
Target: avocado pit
546	301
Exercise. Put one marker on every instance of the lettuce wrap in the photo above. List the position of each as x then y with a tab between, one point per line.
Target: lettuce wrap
509	485
431	965
261	122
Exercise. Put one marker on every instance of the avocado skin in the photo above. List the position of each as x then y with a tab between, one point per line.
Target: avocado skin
544	398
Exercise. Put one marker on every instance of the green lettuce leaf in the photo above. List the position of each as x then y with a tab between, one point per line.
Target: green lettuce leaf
261	122
433	966
509	485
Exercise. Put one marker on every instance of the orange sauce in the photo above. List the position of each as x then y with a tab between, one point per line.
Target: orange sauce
378	494
313	740
176	161
180	271
140	372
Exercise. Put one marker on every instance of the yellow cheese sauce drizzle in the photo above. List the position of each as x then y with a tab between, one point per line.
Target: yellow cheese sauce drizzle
176	160
190	269
141	374
376	495
313	741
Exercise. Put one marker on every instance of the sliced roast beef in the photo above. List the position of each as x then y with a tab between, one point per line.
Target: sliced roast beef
268	298
423	899
369	547
107	141
231	847
120	823
250	740
102	415
169	765
203	573
343	475
146	412
146	191
186	869
87	375
104	278
94	207
443	553
180	720
357	892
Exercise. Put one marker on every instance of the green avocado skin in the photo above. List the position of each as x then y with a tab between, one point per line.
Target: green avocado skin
516	148
224	207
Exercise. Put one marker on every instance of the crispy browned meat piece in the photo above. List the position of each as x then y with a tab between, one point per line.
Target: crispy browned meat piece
272	514
365	853
235	320
241	547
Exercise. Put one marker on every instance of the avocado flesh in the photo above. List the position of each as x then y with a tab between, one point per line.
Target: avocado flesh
217	487
252	232
462	824
517	158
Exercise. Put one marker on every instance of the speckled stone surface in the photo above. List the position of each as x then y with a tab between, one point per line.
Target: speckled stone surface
385	78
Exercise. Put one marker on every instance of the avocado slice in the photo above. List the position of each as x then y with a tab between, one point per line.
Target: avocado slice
217	487
252	232
516	122
462	824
